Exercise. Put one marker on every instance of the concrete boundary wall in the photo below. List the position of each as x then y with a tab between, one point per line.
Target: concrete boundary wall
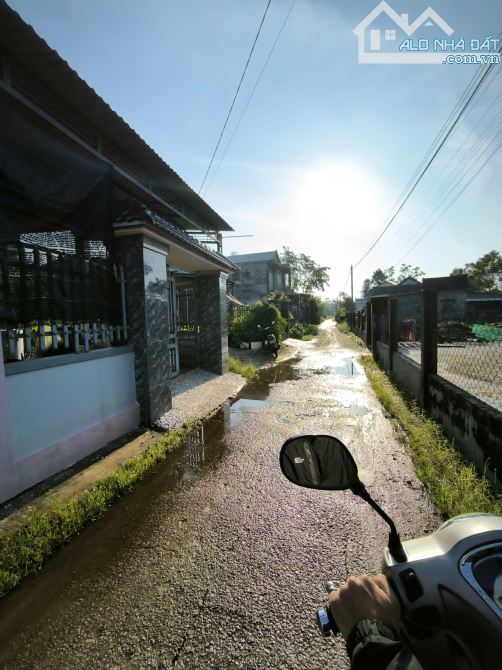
475	426
58	414
383	356
407	373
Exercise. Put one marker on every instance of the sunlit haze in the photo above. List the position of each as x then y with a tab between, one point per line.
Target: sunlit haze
326	145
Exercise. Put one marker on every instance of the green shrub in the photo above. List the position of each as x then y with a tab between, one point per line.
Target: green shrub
343	327
246	328
301	331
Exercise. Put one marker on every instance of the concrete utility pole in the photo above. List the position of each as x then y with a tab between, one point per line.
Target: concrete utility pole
352	285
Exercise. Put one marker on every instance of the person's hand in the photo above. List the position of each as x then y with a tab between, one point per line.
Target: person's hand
364	597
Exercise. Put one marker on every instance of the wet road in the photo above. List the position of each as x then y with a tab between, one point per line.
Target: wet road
215	560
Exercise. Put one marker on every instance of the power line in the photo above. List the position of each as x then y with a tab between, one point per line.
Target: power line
236	94
431	159
462	178
251	95
460	170
452	202
429	151
412	217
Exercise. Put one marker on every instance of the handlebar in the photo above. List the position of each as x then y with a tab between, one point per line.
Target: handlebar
324	617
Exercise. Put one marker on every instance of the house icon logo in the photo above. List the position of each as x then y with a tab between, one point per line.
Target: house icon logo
382	34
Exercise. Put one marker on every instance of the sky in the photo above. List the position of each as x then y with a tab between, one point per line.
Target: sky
326	145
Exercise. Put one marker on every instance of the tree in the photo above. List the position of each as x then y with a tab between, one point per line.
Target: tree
306	274
484	274
406	271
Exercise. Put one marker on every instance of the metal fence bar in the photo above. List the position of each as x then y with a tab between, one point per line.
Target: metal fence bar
55	298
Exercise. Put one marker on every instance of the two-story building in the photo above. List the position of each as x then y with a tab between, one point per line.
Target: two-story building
257	275
104	290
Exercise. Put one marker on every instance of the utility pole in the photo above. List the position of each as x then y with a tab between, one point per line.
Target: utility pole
352	285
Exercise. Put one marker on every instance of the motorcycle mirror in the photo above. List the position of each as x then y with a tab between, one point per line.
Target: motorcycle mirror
324	462
319	462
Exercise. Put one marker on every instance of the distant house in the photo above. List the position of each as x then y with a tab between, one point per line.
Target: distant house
257	275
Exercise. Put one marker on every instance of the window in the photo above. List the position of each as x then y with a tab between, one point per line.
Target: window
390	35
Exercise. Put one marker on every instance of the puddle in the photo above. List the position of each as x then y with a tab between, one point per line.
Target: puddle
240	408
346	368
259	387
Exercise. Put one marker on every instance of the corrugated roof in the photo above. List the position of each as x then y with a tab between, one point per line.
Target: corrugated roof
137	211
20	40
250	258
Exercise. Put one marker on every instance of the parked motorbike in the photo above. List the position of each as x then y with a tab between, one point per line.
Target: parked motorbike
269	339
449	583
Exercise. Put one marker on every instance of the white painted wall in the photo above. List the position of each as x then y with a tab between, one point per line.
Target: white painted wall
47	406
60	412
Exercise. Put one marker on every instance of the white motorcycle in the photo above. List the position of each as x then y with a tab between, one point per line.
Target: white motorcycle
449	583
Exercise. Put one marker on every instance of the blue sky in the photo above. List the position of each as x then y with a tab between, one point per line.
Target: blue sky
326	145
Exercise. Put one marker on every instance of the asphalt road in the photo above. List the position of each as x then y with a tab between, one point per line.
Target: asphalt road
222	564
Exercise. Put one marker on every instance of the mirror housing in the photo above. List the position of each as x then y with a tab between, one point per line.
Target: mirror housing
319	462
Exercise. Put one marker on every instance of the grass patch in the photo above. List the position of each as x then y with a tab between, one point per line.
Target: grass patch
344	328
453	484
246	370
26	549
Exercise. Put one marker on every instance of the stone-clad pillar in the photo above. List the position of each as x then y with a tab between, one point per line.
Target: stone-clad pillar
5	453
212	310
145	270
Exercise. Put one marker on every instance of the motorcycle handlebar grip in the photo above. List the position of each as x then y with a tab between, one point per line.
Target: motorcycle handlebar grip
326	621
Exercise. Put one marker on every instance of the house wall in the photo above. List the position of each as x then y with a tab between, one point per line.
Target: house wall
256	278
452	305
60	409
409	306
253	282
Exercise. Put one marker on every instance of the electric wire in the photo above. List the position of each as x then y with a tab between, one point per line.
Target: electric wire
429	160
456	175
467	168
412	218
497	148
428	152
250	97
236	94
